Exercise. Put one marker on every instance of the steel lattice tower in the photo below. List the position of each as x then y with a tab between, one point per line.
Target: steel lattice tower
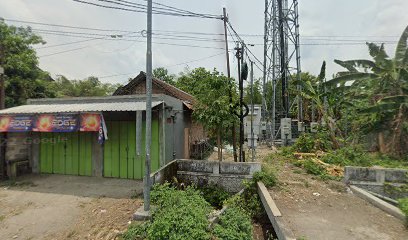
281	63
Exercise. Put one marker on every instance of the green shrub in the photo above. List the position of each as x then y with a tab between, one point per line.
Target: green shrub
179	214
313	142
215	195
234	224
249	201
266	176
349	156
136	231
403	205
313	168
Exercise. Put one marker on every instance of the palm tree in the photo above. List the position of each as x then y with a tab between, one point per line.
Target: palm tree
381	85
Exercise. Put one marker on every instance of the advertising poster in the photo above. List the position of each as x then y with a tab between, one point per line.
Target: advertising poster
90	122
56	123
13	123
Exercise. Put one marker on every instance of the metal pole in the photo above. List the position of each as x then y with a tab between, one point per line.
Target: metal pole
238	55
283	48
274	62
252	113
266	26
234	141
2	106
241	104
298	67
146	190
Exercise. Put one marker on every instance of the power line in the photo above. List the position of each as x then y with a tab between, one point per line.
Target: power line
196	60
322	37
178	64
64	26
141	10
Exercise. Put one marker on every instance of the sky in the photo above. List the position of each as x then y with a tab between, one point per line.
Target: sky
329	29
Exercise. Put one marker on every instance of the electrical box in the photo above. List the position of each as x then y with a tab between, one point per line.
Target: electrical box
313	127
286	128
252	140
301	127
263	126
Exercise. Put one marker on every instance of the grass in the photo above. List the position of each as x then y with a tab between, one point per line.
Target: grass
403	205
2	218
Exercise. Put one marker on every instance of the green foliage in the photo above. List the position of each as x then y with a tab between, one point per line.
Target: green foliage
313	168
267	176
249	201
378	91
179	214
215	195
349	156
403	205
234	224
313	142
24	79
136	231
163	74
82	88
257	93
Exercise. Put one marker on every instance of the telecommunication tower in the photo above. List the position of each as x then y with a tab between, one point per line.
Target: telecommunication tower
281	65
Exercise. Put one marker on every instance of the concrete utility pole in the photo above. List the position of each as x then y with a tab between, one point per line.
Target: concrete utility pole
146	190
252	113
234	143
2	106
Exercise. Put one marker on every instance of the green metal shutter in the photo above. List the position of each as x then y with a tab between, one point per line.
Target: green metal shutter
120	160
66	153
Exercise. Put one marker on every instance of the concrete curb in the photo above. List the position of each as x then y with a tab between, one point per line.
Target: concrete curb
274	215
381	204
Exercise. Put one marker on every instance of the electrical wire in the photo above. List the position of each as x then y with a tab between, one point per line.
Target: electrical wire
178	64
142	10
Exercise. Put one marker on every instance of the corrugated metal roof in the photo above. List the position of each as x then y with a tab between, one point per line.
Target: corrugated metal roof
78	107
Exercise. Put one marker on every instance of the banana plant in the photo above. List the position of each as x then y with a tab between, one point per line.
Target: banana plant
381	86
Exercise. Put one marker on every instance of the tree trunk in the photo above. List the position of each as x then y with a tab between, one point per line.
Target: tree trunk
395	145
381	143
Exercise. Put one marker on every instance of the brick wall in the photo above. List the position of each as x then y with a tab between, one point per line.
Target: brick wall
17	147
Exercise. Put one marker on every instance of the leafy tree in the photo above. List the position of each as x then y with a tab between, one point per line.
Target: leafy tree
212	108
163	74
379	87
90	86
24	79
257	93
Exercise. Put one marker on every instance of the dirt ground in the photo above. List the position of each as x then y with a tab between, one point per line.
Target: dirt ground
314	209
67	207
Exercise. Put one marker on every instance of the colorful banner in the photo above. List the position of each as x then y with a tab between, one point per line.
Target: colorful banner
56	123
87	122
13	123
90	122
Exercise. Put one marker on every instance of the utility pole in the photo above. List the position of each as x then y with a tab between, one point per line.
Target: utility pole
252	113
146	192
234	143
240	56
2	106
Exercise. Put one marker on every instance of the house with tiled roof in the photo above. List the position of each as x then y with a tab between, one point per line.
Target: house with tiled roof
193	132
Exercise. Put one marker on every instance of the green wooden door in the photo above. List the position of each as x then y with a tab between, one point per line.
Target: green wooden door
120	159
66	153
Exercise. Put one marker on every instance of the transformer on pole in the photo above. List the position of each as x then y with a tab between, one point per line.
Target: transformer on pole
281	64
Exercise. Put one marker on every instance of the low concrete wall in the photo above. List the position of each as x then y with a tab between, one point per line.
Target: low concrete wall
274	215
228	175
165	173
392	183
